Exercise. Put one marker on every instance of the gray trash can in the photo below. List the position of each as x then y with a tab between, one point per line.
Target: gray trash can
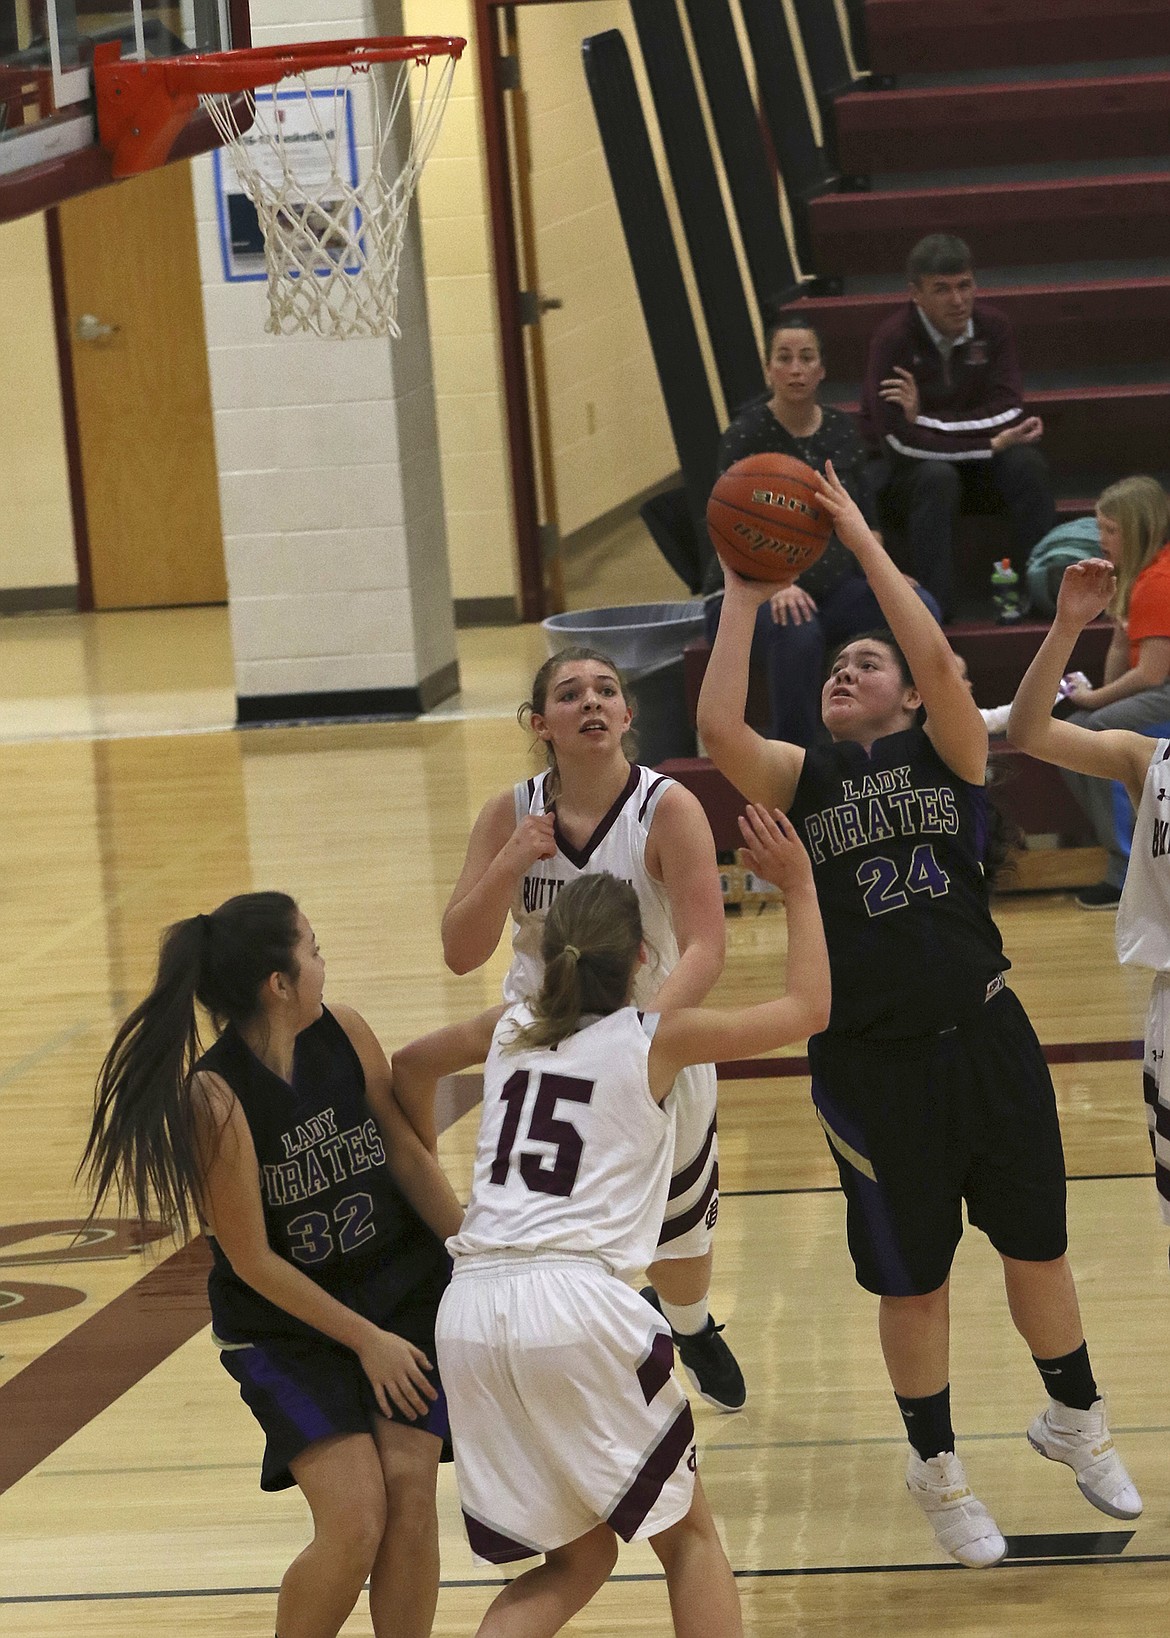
646	640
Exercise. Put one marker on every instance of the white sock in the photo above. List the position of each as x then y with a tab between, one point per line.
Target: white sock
688	1319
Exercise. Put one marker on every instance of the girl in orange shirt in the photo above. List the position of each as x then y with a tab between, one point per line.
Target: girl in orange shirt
1134	519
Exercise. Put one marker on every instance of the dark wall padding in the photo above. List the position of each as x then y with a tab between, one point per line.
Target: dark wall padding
804	165
657	273
749	166
696	187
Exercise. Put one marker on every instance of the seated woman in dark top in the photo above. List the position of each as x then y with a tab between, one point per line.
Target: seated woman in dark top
831	601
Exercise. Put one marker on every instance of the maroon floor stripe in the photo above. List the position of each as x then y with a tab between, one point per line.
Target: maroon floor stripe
81	1376
760	1069
55	1395
1065	1052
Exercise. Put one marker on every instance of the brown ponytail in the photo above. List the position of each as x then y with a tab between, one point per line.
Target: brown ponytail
142	1145
592	936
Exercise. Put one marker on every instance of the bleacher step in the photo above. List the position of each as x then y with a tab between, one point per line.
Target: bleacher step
1073	219
924	36
1115	117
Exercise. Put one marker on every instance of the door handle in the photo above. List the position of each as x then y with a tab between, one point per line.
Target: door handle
90	328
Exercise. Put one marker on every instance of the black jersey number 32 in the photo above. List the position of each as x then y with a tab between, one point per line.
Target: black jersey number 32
542	1172
884	888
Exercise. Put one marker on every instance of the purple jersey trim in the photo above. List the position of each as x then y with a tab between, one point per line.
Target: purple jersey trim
646	1486
685	1221
494	1545
580	856
290	1397
654	1371
880	1226
686	1179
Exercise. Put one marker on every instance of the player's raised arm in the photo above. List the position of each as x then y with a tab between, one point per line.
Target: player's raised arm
417	1068
765	770
499	851
701	1034
953	722
1110	753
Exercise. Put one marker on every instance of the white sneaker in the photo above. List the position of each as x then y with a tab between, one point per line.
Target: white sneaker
1082	1440
962	1524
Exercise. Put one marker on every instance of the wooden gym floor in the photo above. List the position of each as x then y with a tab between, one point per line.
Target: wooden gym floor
129	1501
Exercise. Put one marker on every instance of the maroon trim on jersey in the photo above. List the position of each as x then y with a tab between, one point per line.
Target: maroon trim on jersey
494	1545
676	1226
655	1370
661	780
646	1486
693	1171
580	857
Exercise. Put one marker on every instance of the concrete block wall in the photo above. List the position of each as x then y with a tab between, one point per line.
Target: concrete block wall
334	533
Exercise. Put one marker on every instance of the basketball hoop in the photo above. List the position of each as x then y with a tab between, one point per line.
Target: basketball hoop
332	209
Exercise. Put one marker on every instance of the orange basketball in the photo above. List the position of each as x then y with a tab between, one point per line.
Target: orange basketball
765	517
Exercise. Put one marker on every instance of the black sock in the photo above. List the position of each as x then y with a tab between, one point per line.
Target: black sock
928	1422
1069	1379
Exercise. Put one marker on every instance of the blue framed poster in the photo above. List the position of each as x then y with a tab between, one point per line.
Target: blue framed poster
309	133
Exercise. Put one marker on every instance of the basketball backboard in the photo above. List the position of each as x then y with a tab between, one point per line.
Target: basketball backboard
48	139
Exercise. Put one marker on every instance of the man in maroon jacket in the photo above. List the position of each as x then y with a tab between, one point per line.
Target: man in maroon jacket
943	403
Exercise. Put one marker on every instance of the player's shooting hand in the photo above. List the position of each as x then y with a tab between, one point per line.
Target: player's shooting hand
902	389
792	606
1086	589
534	838
773	850
851	528
397	1372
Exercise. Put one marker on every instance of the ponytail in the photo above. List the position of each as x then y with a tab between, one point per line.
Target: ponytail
142	1145
590	944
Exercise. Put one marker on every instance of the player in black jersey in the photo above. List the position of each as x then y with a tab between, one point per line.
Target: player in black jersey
929	1081
326	1216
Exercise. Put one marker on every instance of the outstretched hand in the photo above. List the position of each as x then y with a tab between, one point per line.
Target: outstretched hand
1086	590
772	848
397	1372
851	528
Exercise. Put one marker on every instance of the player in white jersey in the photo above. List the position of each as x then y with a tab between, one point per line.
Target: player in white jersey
595	810
1143	766
569	1427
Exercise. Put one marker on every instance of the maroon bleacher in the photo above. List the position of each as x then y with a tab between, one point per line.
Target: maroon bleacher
1113	117
938	36
1100	320
1006	223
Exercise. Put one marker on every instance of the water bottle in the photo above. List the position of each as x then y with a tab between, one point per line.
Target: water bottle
1005	591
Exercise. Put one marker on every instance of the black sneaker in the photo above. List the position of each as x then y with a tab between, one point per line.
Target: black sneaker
709	1363
1101	896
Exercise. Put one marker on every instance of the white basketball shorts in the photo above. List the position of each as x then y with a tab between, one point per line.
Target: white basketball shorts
565	1411
693	1204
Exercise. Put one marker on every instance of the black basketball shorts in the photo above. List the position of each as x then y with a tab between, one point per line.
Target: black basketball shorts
301	1390
919	1126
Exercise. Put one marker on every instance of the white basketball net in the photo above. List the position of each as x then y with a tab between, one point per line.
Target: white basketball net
333	213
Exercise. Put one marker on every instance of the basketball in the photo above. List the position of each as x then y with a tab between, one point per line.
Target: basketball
765	518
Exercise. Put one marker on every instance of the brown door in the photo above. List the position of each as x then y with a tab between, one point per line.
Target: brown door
142	398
